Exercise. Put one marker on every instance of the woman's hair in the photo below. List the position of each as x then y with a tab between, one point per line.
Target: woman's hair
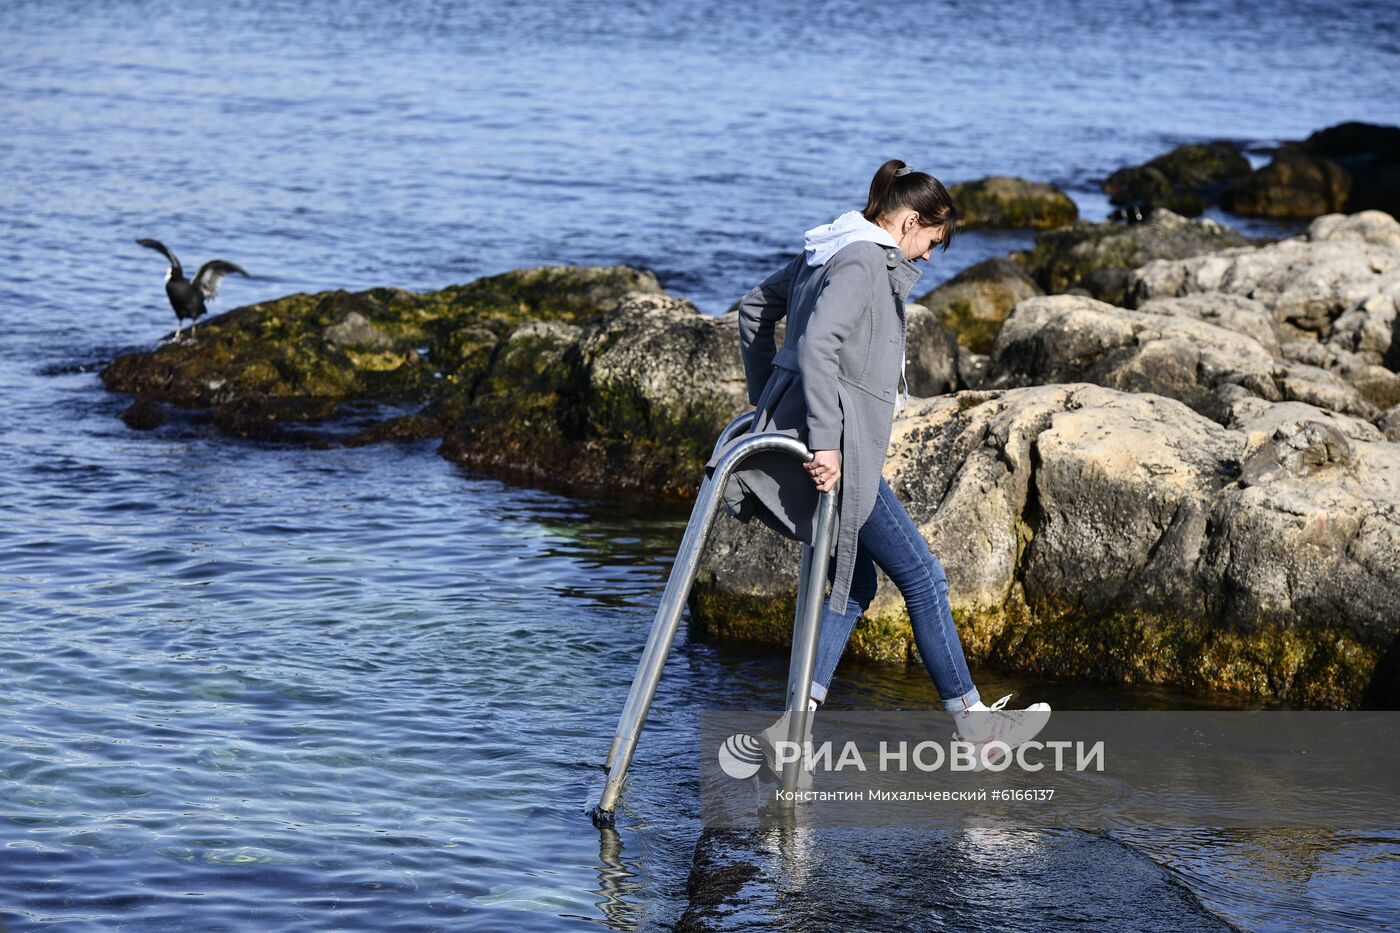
918	191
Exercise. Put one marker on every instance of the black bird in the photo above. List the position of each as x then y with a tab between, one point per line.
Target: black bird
186	297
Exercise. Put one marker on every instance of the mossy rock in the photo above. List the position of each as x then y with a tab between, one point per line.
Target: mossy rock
337	346
1003	201
1097	257
973	303
1310	668
1183	181
1296	184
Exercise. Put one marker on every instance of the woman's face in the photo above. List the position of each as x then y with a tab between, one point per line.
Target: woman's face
914	238
922	240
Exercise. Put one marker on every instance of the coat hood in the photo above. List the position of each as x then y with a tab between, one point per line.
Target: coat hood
823	242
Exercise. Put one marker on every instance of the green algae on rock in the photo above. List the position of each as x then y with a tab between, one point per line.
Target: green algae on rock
1122	537
1097	257
300	358
1183	181
1004	201
973	303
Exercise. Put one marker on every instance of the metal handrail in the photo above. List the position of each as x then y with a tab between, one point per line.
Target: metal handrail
810	592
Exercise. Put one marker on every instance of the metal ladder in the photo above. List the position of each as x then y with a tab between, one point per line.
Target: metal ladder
810	594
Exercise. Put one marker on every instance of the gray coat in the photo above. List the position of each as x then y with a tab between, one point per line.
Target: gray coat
832	385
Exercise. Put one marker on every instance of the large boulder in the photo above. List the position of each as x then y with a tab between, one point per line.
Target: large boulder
1093	533
1003	201
1348	168
301	358
931	352
1184	180
1096	258
1371	155
1296	183
1069	338
1332	292
973	303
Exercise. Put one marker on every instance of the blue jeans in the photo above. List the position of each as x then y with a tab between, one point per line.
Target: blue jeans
889	538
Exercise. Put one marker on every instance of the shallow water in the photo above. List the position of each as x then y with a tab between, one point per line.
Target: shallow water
248	686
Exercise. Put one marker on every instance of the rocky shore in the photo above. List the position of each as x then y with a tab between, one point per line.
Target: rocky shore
1147	453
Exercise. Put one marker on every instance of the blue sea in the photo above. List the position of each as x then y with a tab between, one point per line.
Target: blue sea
247	686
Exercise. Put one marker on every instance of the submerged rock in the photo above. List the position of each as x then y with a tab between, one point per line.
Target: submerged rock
1003	201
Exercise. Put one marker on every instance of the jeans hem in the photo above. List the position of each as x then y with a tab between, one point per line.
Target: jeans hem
958	704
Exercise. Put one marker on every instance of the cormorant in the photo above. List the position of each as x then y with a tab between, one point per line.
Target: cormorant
186	297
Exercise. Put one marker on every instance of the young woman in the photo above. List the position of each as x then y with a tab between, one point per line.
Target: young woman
836	384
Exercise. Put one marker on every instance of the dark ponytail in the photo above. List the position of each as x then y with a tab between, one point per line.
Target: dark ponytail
918	191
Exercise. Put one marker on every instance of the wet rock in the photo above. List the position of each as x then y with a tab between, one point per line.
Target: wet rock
1099	256
355	330
1092	533
973	303
145	413
304	355
1296	183
631	399
1371	155
1003	201
1183	181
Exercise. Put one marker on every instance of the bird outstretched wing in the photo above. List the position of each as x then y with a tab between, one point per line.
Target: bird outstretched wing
160	247
210	274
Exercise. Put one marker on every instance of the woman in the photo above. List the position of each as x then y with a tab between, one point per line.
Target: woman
836	384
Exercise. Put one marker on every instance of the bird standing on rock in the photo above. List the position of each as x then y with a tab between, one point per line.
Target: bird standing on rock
186	297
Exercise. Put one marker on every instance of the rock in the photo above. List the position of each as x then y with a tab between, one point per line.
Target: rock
1388	422
1333	293
931	351
1067	338
1370	154
1320	387
1092	533
1183	180
145	413
973	303
1296	183
1231	312
1259	419
1100	256
1002	201
972	368
355	331
629	400
304	355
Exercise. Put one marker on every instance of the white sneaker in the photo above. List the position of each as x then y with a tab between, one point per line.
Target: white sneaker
768	741
994	723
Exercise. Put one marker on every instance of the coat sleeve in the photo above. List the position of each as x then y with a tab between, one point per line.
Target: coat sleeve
845	295
759	313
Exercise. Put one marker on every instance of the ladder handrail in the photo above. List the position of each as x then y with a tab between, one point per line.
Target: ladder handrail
682	577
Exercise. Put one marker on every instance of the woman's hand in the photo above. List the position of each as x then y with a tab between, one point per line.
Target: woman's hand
824	468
